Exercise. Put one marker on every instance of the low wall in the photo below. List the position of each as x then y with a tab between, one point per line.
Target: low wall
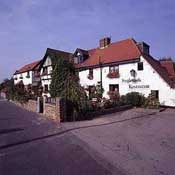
50	111
31	105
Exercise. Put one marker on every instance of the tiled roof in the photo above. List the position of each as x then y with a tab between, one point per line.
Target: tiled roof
169	65
159	69
58	53
125	50
54	55
28	67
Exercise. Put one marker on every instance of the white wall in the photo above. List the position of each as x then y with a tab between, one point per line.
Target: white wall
26	81
149	80
46	79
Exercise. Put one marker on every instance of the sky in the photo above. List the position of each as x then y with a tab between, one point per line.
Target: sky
29	27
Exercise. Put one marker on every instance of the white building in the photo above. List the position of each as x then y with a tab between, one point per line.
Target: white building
126	66
47	66
28	75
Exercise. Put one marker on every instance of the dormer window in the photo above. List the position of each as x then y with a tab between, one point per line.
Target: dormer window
80	58
80	55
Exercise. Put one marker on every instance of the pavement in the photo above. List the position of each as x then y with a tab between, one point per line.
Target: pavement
133	142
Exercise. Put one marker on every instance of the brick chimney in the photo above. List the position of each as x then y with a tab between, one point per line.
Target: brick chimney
105	42
144	48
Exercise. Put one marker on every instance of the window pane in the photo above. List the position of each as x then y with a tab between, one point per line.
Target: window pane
140	66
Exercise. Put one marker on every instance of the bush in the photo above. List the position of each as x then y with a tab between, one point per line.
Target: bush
114	95
152	102
133	98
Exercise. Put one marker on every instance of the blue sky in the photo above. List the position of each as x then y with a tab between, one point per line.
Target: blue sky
28	27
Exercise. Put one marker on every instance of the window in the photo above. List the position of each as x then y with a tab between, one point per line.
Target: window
155	94
21	77
28	75
46	89
80	58
44	70
113	87
113	68
90	71
140	66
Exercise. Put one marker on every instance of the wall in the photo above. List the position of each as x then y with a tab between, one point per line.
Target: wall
31	105
149	80
53	111
50	111
46	79
26	81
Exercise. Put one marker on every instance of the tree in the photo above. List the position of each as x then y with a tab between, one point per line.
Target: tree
65	84
63	69
15	92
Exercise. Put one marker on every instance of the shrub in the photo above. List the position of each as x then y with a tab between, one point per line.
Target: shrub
108	104
114	95
133	98
151	102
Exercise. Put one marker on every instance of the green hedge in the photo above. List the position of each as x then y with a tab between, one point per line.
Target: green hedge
133	98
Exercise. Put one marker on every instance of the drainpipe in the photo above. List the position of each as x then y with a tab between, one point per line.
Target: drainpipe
101	76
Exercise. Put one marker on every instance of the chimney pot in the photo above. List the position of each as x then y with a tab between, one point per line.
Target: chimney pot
105	42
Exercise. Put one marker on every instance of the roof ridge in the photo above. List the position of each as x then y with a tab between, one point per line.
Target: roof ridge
58	50
123	40
27	67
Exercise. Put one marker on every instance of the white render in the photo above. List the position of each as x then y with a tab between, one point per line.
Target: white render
148	76
46	79
26	80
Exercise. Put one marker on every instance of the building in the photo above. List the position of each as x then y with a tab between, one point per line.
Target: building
169	65
125	66
28	75
47	66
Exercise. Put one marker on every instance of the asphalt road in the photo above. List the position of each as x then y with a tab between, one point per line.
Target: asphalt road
140	141
59	155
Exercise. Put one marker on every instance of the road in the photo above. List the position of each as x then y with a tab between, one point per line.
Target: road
133	142
139	141
63	154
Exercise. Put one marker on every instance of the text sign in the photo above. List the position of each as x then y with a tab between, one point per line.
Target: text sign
138	86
